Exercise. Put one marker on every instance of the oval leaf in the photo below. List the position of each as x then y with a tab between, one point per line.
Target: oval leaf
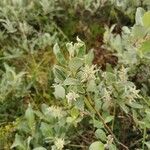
96	146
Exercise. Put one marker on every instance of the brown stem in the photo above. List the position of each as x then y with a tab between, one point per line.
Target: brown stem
106	126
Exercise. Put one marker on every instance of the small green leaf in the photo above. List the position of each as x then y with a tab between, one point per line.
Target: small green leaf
59	74
39	148
71	81
89	58
138	31
75	64
71	49
91	86
145	47
30	116
97	146
79	104
124	107
109	119
100	134
18	142
74	112
135	105
80	48
138	16
59	91
97	124
112	147
46	130
148	144
29	139
146	19
59	56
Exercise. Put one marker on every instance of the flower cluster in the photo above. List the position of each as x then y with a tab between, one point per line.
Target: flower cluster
72	96
55	111
107	95
88	73
123	74
59	143
133	93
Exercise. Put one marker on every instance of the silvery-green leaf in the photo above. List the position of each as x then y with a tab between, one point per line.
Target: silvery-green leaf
89	57
59	91
30	116
71	49
148	144
97	146
74	112
80	48
100	134
39	148
109	119
59	73
46	130
91	86
138	16
18	143
146	19
29	141
59	56
145	47
135	105
75	64
71	81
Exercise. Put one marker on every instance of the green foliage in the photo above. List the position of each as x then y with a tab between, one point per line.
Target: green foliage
52	96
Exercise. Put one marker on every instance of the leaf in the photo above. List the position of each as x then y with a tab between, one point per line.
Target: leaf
138	16
75	64
59	74
126	30
9	26
29	141
138	31
71	49
30	116
145	47
97	124
112	147
89	58
46	130
146	19
39	148
91	86
74	112
80	48
59	91
45	6
44	109
59	56
109	119
18	142
71	81
100	134
124	107
79	104
135	105
148	144
97	146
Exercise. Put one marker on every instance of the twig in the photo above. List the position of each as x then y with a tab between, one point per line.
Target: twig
106	126
74	145
144	137
136	142
114	114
